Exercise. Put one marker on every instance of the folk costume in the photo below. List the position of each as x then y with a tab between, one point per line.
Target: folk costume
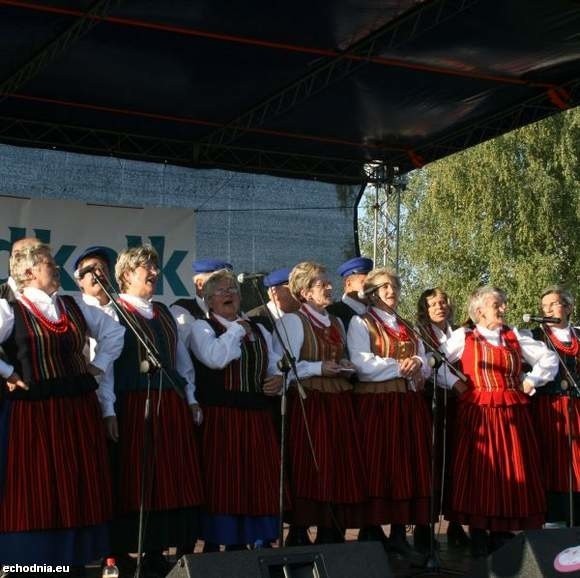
55	500
171	473
496	481
240	451
552	408
394	420
332	495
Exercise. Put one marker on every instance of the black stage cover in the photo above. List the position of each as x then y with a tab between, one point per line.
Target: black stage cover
314	89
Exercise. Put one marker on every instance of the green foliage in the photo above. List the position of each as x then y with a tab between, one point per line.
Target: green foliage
506	212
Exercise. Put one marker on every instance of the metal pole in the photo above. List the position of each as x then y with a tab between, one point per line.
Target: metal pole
397	232
376	215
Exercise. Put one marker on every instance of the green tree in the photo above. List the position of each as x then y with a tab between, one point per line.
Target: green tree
506	212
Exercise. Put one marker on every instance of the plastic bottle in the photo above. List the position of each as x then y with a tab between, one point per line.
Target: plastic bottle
110	569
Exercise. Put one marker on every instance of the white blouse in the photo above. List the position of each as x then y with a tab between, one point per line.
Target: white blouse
543	361
371	367
291	332
218	352
107	334
183	365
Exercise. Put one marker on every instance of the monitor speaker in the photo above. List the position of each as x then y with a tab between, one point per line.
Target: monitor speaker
349	560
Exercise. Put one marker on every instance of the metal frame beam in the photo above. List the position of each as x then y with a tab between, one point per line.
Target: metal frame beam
185	153
54	48
521	114
409	26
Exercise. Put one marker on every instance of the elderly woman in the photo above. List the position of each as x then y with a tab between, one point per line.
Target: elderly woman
55	500
393	415
434	322
327	480
236	376
496	483
557	408
165	473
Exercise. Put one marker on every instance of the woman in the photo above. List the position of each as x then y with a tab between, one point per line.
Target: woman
236	375
165	473
496	482
434	321
327	479
393	415
557	408
55	500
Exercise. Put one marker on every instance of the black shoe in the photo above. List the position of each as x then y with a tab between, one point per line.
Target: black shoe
498	539
297	536
456	536
327	536
372	534
479	543
421	539
156	564
236	547
398	544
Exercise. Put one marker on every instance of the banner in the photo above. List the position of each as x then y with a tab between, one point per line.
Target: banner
70	227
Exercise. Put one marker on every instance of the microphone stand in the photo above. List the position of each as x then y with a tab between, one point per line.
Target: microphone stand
286	364
433	562
572	386
153	362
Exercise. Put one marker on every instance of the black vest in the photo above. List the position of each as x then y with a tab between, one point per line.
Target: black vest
51	363
560	385
239	384
162	331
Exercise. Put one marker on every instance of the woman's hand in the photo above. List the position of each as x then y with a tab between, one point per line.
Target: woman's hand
272	385
528	387
331	368
111	428
460	387
408	366
15	381
94	370
197	413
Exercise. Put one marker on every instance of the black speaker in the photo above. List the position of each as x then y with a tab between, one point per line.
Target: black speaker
349	560
533	554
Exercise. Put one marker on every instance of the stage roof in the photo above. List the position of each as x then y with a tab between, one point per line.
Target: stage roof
313	89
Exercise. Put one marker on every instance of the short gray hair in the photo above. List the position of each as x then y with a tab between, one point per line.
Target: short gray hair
303	276
561	291
131	258
25	259
371	279
210	286
478	297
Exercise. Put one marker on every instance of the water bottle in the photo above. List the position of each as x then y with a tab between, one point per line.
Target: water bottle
110	569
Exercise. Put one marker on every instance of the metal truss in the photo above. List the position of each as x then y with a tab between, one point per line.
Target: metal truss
57	46
180	152
532	110
404	29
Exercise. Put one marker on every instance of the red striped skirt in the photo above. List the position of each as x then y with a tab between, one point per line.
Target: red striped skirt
172	472
395	431
551	419
341	476
241	461
496	469
56	470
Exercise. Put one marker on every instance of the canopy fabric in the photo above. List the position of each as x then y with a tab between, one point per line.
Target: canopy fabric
312	90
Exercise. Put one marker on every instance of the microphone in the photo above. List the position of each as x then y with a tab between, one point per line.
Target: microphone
534	318
249	276
362	294
80	273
